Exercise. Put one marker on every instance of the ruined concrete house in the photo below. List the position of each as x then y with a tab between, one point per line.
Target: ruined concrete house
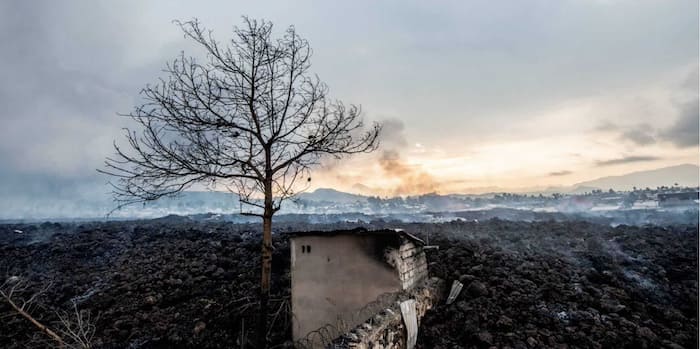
335	274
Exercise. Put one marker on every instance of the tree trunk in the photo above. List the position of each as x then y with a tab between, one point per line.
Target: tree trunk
266	266
265	280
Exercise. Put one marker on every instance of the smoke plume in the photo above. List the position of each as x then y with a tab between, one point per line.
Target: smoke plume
411	180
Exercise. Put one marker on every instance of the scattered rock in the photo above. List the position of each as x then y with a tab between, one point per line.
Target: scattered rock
504	322
199	327
477	289
647	333
485	337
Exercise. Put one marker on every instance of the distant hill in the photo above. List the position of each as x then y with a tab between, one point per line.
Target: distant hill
331	195
685	175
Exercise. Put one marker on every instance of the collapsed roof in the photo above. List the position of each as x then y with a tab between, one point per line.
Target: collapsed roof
360	231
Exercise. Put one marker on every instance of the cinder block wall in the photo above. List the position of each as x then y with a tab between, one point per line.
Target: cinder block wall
410	262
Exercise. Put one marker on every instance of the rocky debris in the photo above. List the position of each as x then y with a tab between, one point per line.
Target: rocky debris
151	300
485	338
477	289
199	327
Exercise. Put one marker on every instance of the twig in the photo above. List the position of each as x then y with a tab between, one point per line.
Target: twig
17	285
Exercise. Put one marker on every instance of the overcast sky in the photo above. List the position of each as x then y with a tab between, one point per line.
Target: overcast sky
474	94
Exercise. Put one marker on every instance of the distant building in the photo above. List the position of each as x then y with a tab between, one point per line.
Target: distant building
337	273
678	199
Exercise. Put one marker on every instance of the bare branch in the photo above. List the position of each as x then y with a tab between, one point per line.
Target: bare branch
77	327
9	291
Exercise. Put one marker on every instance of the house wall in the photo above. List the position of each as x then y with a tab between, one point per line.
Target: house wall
339	276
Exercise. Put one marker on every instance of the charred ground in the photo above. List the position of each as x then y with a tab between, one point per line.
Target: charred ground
181	283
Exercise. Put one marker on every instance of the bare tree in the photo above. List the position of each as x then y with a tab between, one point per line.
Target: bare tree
250	118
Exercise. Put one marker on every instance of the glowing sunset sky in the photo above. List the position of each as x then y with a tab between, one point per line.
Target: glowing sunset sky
473	94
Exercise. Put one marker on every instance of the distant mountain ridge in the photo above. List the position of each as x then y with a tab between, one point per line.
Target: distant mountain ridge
684	175
63	199
331	195
687	175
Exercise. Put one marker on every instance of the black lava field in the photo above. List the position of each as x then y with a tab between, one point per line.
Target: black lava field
182	283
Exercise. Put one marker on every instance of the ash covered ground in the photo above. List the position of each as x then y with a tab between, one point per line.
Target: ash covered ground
184	283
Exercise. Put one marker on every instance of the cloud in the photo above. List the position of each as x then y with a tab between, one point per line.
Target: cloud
685	132
642	134
560	173
59	103
393	133
682	107
607	126
691	83
69	67
627	160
